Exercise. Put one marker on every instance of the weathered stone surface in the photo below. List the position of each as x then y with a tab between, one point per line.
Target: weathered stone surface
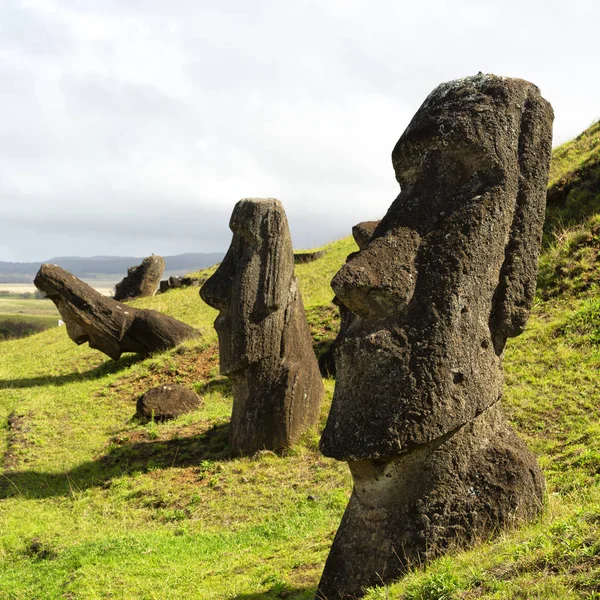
302	258
141	281
361	233
108	325
447	276
166	402
264	340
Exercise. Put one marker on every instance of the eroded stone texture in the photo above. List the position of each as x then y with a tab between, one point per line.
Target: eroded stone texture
166	402
264	340
141	281
361	233
108	325
446	277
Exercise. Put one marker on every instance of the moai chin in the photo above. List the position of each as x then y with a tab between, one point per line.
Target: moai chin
265	345
448	275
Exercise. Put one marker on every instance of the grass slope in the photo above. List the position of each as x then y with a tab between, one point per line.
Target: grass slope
571	262
96	506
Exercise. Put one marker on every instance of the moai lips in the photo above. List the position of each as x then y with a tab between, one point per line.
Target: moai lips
265	345
448	274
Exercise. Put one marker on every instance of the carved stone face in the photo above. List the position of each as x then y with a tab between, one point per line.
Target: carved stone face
422	358
251	286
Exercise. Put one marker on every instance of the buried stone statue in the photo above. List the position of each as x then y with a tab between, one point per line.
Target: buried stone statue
448	275
264	340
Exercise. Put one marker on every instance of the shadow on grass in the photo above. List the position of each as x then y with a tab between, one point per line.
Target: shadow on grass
110	366
277	592
221	385
123	459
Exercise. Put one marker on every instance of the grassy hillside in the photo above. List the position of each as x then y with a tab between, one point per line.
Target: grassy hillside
94	505
571	262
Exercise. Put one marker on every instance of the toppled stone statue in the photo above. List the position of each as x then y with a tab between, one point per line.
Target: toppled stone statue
108	325
166	402
447	277
361	233
141	281
264	340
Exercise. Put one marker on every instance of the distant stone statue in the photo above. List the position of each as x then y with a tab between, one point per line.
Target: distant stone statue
447	277
108	325
264	340
141	281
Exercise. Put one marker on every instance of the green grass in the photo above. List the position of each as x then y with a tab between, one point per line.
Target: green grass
20	317
13	305
95	505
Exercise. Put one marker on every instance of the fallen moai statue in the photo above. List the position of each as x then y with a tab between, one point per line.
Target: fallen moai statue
108	325
265	345
447	277
141	281
361	233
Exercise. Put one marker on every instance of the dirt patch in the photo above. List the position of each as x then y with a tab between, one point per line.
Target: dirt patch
17	440
184	366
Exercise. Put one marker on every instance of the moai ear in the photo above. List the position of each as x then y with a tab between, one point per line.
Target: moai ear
276	266
516	286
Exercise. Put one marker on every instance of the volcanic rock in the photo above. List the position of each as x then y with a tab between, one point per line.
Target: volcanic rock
166	402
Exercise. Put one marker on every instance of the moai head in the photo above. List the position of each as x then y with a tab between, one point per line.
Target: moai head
252	286
448	274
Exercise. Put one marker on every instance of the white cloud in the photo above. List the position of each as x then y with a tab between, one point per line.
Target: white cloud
124	120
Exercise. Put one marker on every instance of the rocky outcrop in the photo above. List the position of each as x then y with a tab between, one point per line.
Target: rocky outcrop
166	402
175	282
302	258
108	325
141	281
448	275
264	341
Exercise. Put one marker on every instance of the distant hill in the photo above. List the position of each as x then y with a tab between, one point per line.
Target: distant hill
105	267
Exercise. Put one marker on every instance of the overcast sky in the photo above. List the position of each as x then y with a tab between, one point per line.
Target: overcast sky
133	126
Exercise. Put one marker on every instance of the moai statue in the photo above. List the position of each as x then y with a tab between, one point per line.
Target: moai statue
141	280
108	325
448	275
361	232
265	345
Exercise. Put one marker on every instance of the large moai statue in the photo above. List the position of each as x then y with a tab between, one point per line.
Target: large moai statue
361	232
265	345
448	275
